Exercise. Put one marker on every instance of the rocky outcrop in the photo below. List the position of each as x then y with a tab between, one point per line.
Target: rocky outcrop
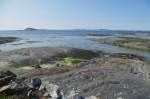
32	56
107	76
7	39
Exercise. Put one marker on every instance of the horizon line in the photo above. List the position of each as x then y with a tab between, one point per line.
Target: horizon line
74	29
34	28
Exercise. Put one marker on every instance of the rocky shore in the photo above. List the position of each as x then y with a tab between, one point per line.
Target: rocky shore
107	77
92	74
4	40
31	56
135	43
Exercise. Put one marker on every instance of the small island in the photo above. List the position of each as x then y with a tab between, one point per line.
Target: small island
30	29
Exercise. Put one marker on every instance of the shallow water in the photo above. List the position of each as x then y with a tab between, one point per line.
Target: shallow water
74	39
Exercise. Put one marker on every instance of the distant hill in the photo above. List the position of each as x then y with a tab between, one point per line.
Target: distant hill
30	29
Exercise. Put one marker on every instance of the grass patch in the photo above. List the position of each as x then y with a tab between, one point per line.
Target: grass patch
5	97
18	69
12	65
70	61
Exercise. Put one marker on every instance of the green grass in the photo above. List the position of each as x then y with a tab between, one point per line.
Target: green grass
12	65
70	61
74	59
5	97
16	68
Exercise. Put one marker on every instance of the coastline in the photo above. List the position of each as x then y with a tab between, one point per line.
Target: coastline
135	43
89	71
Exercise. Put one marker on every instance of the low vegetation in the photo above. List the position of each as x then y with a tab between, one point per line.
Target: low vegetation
5	97
70	61
135	43
136	47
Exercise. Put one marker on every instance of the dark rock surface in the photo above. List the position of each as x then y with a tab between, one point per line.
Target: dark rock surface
30	29
7	39
32	56
6	77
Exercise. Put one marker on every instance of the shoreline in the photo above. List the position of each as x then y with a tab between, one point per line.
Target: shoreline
133	43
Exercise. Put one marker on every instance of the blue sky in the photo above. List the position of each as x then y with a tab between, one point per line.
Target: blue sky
75	14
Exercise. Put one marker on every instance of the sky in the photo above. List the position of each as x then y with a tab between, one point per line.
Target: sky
75	14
